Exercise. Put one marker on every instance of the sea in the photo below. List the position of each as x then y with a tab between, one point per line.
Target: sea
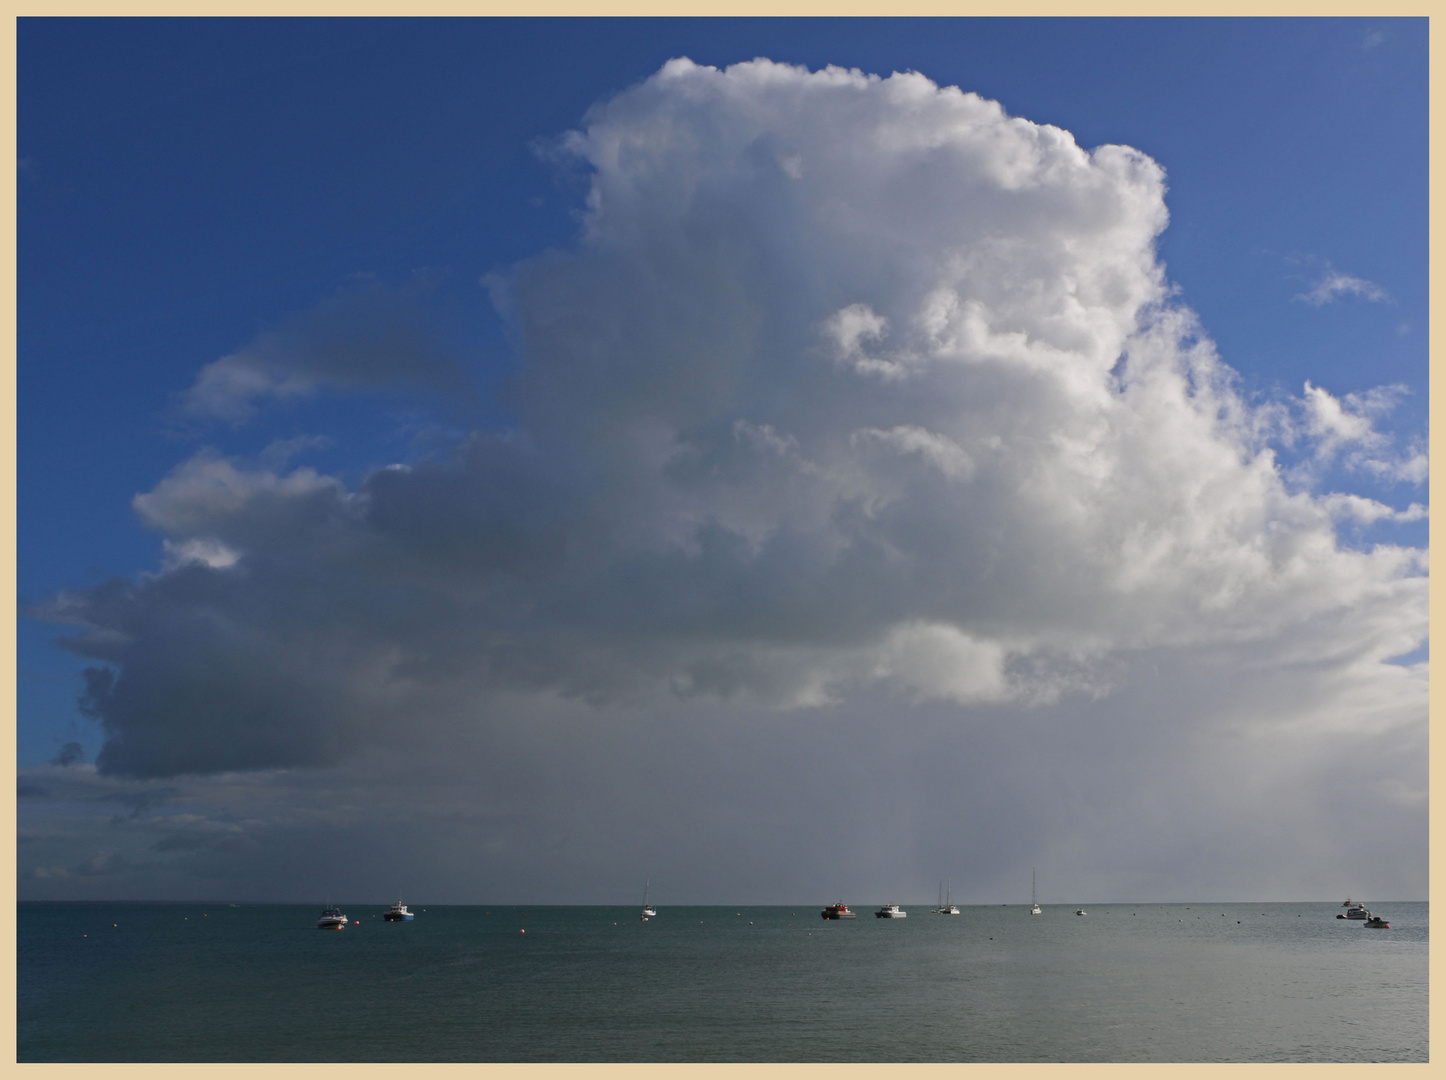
126	982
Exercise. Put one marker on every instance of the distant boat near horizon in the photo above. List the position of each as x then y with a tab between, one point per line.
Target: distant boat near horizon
891	911
1033	903
838	911
331	919
946	898
648	912
398	913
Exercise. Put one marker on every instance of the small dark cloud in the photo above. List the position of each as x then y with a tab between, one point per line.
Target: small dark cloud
140	801
213	842
367	337
71	753
183	842
103	864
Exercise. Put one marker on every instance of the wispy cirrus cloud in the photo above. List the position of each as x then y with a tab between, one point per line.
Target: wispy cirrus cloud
1333	285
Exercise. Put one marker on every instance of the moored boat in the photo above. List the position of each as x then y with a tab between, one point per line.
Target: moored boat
648	911
838	911
891	911
331	919
946	902
398	913
1375	922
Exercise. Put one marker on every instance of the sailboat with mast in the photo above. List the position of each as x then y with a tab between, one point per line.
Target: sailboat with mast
1033	903
946	907
648	911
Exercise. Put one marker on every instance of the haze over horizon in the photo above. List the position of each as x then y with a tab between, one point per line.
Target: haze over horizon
850	498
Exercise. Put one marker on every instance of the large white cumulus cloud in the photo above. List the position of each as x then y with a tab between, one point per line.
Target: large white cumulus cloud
851	386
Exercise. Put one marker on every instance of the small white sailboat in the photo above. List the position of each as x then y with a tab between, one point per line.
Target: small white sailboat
648	911
1033	903
946	906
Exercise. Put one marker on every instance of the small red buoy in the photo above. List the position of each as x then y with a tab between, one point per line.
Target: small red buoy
522	931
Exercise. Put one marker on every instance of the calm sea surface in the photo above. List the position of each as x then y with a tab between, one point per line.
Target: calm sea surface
1153	982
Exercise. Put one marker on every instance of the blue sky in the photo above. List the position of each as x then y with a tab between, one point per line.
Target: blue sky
186	186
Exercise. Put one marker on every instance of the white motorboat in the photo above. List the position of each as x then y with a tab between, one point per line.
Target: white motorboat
946	905
398	913
1081	911
331	919
891	911
1356	912
1033	903
648	911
